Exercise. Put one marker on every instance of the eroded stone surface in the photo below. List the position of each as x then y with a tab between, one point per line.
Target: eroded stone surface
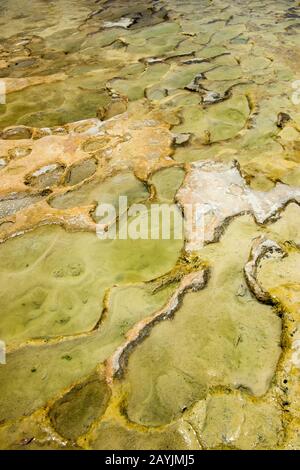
231	420
221	193
125	98
228	339
190	282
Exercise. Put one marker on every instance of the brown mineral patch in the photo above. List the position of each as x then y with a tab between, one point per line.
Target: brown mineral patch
17	84
141	145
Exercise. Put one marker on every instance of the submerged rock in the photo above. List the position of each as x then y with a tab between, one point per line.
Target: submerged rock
16	133
282	119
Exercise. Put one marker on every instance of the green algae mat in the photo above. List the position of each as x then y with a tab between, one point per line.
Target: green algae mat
116	333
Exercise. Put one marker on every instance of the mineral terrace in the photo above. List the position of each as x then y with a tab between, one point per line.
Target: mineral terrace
189	343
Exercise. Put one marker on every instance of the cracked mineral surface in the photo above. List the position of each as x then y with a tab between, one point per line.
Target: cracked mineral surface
179	343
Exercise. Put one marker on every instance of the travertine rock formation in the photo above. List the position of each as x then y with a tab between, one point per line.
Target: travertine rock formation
221	193
150	344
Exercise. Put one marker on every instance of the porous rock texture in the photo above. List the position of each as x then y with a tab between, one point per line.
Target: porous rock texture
189	343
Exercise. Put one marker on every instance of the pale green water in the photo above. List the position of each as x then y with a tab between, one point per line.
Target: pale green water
210	377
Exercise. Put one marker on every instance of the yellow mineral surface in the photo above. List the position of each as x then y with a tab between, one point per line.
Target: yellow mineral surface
188	342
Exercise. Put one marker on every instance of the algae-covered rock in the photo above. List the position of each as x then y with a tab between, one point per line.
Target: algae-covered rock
118	332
